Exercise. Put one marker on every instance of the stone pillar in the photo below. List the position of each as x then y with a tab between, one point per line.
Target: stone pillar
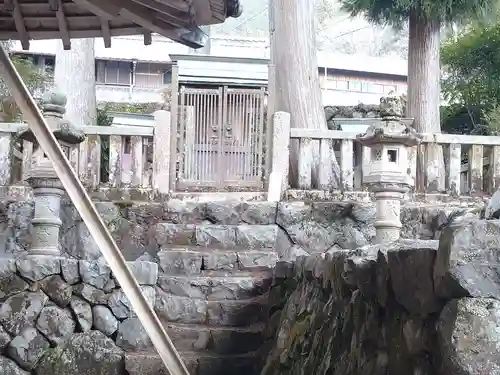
387	172
46	223
47	188
388	212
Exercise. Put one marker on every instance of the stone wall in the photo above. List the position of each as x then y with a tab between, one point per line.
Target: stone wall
301	226
207	267
415	307
68	317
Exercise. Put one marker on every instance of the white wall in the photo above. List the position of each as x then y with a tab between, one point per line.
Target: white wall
122	94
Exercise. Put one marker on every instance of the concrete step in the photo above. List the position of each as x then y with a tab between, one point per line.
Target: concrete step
196	363
231	313
214	288
187	261
217	236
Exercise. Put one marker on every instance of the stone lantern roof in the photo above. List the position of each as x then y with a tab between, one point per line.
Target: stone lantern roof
390	129
53	106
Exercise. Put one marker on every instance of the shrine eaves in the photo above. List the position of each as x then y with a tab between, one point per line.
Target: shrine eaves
179	20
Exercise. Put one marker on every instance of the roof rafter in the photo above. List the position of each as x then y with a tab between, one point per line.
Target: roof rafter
63	25
147	18
106	33
20	27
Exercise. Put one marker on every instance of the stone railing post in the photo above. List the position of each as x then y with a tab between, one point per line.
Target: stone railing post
387	172
278	180
5	159
47	188
162	152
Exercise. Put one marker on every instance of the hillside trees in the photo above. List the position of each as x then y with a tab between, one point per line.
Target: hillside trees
425	19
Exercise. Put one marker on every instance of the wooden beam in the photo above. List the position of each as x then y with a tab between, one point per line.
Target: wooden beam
8	5
89	33
147	38
20	27
54	5
106	34
102	9
63	25
168	13
146	18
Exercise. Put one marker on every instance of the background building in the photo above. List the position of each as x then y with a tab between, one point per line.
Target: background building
130	72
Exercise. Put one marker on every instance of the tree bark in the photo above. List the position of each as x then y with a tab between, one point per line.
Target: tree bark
424	93
74	76
293	52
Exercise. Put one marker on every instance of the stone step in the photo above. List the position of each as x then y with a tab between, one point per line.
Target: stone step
216	288
217	236
176	261
196	363
215	339
232	313
217	212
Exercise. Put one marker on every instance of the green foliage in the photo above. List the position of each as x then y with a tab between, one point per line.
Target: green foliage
492	120
472	67
471	79
103	119
37	81
397	12
458	119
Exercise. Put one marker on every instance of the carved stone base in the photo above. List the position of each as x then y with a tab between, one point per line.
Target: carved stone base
46	221
387	223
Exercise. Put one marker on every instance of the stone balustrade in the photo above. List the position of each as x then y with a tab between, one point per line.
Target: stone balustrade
472	162
138	159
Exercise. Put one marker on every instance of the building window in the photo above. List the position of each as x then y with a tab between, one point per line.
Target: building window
354	86
110	72
330	84
167	77
372	88
150	75
342	85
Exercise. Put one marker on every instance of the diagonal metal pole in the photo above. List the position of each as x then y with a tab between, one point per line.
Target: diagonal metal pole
90	216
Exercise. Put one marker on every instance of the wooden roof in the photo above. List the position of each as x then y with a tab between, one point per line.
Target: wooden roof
178	20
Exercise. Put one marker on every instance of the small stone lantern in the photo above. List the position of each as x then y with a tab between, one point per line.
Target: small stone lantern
386	174
47	188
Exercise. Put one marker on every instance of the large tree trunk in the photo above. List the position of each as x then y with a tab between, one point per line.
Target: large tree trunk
424	93
293	52
75	77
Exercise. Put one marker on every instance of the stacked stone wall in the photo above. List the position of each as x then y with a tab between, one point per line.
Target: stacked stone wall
209	270
53	308
413	307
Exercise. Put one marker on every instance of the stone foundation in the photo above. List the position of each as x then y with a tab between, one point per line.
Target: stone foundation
209	268
414	307
53	308
139	227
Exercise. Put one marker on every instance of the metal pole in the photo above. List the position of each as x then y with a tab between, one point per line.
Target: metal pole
90	216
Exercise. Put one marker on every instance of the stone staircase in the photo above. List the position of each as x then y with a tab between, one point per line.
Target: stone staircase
212	295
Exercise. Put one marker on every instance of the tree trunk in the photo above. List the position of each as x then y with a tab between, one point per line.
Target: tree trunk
424	93
293	51
74	76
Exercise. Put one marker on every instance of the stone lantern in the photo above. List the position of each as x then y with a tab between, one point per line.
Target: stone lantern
47	188
386	174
